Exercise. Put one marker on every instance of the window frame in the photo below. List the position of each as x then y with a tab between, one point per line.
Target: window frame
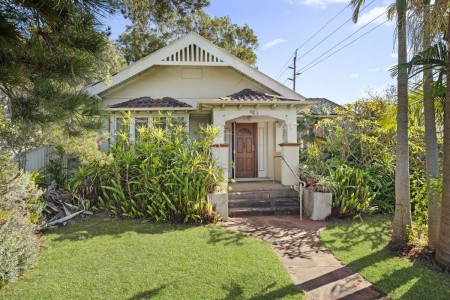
150	117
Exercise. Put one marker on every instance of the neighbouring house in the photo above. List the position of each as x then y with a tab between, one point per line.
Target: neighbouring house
199	82
323	107
307	129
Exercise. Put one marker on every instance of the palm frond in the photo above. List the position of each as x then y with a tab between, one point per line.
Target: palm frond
434	57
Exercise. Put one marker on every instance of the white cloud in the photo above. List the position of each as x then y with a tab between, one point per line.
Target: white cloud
354	75
273	43
316	3
374	70
375	12
393	55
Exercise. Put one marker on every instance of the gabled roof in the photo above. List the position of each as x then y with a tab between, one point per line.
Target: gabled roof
193	50
251	95
149	102
323	106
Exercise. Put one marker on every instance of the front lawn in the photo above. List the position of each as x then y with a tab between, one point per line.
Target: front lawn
127	259
362	245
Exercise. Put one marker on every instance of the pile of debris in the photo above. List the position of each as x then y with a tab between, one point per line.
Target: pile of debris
59	207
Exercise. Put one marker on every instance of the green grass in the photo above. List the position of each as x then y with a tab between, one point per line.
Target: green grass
126	259
362	245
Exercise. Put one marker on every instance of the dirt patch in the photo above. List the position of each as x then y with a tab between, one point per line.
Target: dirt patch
418	254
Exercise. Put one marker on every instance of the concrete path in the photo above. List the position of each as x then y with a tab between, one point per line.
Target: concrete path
311	267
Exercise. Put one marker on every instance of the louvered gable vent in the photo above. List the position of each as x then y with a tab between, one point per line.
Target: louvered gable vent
192	54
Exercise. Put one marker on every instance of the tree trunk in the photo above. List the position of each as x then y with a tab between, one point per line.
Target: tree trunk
443	244
431	146
402	223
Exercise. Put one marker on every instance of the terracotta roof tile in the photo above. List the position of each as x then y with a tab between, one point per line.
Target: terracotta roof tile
251	95
149	102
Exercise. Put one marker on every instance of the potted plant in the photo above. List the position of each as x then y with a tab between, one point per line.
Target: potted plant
323	184
317	198
307	176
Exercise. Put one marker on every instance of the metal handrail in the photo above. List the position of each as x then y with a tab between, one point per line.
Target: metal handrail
301	184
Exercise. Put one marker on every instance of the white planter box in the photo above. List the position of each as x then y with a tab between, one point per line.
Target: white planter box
317	205
219	201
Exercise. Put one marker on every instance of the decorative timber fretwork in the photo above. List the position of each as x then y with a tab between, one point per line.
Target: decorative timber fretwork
192	54
244	132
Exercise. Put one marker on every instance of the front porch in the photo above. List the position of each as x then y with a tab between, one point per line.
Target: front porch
252	142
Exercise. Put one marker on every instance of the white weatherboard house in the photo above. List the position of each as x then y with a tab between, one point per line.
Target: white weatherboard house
199	82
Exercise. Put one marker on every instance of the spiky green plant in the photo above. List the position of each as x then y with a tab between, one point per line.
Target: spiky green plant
164	175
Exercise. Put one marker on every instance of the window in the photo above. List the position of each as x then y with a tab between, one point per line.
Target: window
139	122
160	122
120	125
167	122
178	121
132	130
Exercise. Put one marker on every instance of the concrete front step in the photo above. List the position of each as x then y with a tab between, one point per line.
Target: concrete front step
273	202
285	193
262	211
262	199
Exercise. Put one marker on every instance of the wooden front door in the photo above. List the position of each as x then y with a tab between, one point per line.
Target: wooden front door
245	150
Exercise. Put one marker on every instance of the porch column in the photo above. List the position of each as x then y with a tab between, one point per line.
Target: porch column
219	148
220	156
290	151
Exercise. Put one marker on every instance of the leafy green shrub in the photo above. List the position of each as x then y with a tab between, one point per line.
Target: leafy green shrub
357	152
164	175
19	247
56	172
20	210
352	194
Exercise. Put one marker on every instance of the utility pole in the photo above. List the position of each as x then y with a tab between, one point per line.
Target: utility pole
294	68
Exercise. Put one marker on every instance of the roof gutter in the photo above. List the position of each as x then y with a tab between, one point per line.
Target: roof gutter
150	108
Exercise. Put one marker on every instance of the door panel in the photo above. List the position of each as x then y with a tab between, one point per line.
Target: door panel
245	150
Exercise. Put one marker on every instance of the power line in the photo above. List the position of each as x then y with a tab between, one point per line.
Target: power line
317	32
344	46
284	69
281	72
317	58
334	31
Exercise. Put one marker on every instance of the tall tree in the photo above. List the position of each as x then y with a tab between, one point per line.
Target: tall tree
50	49
139	41
402	219
431	145
443	245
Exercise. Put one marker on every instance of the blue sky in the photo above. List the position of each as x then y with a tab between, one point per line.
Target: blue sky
284	25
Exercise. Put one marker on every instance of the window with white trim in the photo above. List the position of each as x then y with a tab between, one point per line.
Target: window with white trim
140	121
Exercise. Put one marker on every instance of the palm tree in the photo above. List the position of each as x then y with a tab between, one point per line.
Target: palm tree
443	245
402	223
431	146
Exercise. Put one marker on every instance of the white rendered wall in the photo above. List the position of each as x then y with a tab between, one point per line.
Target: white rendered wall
177	82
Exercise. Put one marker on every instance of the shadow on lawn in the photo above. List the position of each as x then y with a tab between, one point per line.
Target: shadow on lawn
147	294
423	281
236	291
225	237
91	227
352	235
417	280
